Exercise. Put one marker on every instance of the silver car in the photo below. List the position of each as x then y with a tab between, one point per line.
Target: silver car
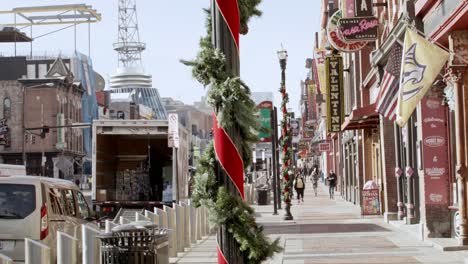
37	207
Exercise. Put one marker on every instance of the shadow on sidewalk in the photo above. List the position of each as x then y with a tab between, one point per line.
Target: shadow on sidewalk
322	228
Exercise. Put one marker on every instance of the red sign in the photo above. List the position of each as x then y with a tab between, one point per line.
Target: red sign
370	202
324	147
434	147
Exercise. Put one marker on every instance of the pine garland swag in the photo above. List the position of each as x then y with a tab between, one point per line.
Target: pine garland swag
230	96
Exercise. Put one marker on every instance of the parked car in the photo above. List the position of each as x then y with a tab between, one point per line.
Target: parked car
37	207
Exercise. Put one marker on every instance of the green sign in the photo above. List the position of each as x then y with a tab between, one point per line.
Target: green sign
265	118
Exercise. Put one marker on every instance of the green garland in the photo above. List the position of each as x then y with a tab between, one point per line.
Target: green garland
235	111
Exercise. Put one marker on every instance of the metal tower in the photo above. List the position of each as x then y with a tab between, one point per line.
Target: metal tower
129	46
131	83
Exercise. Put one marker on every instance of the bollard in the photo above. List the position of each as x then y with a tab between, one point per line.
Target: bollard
141	217
36	252
162	217
180	224
5	260
123	220
192	222
201	212
109	225
67	248
90	244
153	218
171	225
186	223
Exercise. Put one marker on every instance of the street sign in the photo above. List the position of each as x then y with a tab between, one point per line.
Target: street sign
335	98
173	131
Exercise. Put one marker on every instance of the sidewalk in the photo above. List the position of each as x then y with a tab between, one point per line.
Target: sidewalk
333	231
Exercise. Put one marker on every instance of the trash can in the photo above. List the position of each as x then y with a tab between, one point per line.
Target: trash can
135	243
262	196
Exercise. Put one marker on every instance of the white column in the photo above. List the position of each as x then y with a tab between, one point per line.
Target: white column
172	226
153	218
90	244
109	226
5	260
162	217
36	252
67	248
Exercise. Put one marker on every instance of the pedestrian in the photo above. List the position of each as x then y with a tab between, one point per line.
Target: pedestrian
299	185
315	179
331	184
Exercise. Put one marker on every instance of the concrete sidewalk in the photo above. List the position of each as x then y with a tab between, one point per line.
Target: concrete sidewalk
333	231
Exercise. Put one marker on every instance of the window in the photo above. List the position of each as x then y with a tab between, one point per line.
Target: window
42	71
57	202
31	71
17	201
70	202
6	108
33	139
82	205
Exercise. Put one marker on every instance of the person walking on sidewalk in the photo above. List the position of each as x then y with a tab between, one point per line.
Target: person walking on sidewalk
299	185
315	179
331	184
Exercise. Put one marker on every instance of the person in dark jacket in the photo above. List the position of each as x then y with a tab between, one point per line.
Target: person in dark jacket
331	184
299	185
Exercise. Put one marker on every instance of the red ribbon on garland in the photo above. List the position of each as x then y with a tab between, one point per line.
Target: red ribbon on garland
229	9
227	154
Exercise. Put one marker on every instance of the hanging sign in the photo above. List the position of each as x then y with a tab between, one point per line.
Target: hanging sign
324	147
265	109
337	40
359	28
363	8
335	98
318	69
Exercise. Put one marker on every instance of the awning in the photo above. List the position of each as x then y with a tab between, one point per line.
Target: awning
362	118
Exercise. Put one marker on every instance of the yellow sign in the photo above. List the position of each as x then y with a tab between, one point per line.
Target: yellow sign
421	63
319	65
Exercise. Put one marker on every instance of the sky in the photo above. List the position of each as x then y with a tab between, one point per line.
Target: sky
171	31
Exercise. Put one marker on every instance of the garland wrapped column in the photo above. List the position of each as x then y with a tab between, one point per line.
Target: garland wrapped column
285	139
225	37
220	175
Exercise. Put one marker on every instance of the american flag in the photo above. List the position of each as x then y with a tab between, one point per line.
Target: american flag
388	94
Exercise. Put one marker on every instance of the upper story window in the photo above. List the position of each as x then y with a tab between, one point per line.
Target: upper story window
6	108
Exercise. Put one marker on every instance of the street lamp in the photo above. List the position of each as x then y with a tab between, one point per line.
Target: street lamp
286	134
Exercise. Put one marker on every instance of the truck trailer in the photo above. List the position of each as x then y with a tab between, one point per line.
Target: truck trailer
133	165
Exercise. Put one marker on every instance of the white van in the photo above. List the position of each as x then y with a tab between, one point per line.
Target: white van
37	207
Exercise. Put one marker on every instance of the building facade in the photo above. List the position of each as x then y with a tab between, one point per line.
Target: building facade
418	169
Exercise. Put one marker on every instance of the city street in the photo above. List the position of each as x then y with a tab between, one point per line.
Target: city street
333	231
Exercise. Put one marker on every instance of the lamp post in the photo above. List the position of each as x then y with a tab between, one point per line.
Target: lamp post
286	135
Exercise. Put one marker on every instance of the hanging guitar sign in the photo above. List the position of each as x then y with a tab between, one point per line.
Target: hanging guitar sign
336	39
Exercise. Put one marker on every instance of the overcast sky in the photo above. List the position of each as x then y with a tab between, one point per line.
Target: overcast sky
171	30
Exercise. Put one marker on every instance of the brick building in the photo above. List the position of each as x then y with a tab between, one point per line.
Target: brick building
36	94
418	178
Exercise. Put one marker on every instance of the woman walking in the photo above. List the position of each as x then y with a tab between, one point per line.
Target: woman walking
299	185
